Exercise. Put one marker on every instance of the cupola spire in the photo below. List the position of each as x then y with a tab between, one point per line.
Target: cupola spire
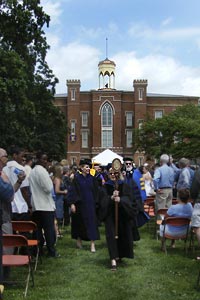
106	72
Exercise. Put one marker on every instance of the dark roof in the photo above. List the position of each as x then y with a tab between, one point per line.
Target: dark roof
126	91
107	61
168	95
60	95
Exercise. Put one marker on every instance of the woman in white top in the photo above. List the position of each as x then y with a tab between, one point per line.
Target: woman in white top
148	181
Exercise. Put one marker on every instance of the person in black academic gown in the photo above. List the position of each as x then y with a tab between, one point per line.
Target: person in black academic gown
120	193
82	198
128	173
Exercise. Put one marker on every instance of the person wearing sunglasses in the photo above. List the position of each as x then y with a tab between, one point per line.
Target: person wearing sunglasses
129	169
116	190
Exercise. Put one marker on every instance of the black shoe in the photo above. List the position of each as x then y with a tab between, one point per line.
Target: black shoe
113	268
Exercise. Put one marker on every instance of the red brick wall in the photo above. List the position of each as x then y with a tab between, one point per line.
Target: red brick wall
122	102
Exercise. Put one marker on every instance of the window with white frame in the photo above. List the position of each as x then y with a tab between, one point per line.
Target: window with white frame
84	139
140	160
158	114
106	126
73	127
84	119
129	138
140	93
73	160
129	119
106	138
73	94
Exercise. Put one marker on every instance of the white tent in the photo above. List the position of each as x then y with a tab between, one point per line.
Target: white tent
106	157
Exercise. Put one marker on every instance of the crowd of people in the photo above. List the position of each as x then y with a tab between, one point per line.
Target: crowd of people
89	194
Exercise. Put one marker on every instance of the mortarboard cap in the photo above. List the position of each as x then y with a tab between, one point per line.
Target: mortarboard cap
85	161
127	158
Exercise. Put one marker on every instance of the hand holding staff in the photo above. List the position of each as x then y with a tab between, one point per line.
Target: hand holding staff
116	166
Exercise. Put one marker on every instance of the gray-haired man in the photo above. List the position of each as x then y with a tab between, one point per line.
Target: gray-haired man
163	182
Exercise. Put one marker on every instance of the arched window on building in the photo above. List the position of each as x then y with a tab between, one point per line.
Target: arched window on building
106	126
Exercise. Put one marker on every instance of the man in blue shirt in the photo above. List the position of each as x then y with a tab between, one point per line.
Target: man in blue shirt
163	182
186	174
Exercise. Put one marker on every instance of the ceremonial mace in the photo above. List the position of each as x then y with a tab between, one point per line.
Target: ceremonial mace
116	166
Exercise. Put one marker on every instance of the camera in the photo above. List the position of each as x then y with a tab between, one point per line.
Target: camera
18	171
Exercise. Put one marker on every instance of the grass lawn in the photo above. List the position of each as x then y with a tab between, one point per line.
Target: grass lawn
80	274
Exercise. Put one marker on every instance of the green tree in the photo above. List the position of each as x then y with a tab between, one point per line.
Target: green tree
177	133
27	84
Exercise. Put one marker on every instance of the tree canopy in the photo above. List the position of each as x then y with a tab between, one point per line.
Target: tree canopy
177	133
27	84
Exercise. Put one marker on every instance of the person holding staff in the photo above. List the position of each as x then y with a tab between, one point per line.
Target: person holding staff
120	243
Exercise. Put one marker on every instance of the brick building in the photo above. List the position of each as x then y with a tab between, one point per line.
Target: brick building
104	118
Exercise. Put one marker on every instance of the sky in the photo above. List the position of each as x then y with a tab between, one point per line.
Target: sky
157	40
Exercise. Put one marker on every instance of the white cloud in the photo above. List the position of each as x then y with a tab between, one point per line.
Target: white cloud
146	32
53	9
164	74
74	61
53	40
111	29
166	21
187	32
79	60
198	43
90	32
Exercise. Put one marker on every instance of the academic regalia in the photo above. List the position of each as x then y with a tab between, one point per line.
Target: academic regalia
135	191
123	246
136	197
83	194
138	177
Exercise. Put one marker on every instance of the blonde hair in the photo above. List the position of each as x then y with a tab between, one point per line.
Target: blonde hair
120	174
64	162
58	171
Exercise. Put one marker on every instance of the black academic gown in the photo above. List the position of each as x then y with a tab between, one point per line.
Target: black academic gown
136	197
123	246
83	193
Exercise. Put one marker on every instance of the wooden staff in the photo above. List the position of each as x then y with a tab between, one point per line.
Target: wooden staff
116	166
116	210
